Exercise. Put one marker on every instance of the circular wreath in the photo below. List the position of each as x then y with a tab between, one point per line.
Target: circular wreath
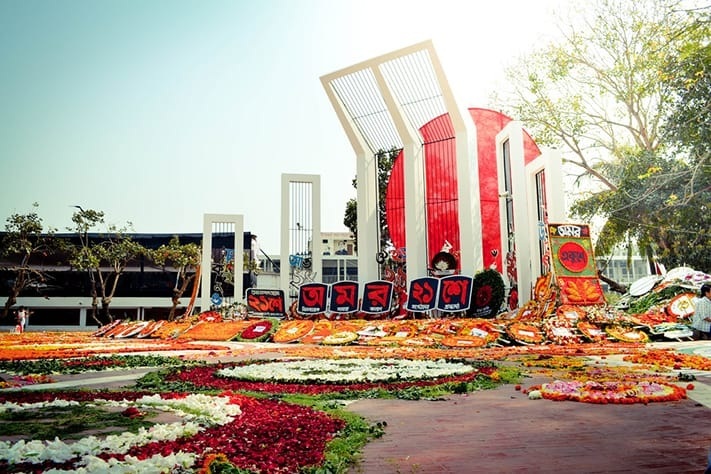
443	263
488	293
611	392
152	327
562	331
132	330
106	328
571	312
322	328
525	333
291	331
340	338
625	334
681	306
463	341
257	332
591	331
210	426
480	329
210	317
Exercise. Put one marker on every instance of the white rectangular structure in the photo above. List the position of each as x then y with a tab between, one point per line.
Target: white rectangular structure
300	227
237	221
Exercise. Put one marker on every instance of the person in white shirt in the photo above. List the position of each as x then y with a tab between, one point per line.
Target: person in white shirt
701	321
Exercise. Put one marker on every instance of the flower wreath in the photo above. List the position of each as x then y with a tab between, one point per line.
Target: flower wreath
488	293
106	328
626	334
463	341
152	327
591	331
525	333
291	331
259	331
340	338
611	392
561	331
127	451
479	328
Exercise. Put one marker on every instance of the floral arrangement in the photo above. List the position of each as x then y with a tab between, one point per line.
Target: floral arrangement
591	331
525	333
258	331
340	338
625	334
215	331
610	392
235	427
346	371
223	377
291	331
561	330
670	359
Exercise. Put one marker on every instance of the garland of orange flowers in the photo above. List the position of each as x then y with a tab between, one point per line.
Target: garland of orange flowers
291	331
571	312
464	341
106	328
626	334
561	330
667	358
152	327
480	328
591	331
172	329
623	392
117	329
340	338
219	331
132	329
525	333
321	329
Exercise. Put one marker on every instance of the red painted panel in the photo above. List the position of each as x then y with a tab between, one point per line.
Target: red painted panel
441	186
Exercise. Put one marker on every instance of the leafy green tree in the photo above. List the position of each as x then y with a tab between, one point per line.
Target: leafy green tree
25	239
601	92
105	259
385	162
185	259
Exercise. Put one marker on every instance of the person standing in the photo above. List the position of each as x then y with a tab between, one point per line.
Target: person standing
21	319
701	321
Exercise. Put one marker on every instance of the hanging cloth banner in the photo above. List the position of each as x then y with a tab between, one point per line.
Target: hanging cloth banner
455	293
377	297
344	297
422	296
574	264
312	298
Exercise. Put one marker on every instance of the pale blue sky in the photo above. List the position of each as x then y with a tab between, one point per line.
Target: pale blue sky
157	112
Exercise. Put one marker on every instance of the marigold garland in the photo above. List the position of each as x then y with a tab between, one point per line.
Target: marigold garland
590	331
670	359
340	338
610	392
463	341
525	333
291	331
217	331
624	334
